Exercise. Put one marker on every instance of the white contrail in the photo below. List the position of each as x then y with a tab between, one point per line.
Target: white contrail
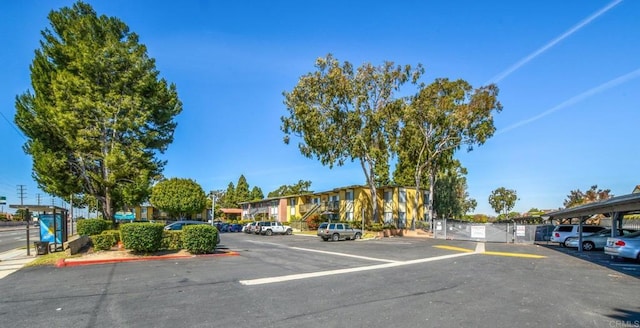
573	100
546	47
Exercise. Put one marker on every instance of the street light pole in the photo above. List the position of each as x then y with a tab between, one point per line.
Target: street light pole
213	208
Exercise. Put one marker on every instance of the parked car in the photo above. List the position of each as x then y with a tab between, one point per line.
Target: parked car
564	231
257	229
223	227
596	241
250	227
337	231
178	225
235	227
271	227
626	246
544	232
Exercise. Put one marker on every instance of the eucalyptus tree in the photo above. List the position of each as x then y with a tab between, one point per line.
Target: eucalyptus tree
180	198
440	118
502	200
344	114
98	113
301	187
451	196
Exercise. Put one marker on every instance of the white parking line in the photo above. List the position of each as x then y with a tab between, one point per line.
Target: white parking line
271	280
265	243
345	255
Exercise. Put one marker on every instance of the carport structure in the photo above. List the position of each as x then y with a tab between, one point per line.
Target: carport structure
615	208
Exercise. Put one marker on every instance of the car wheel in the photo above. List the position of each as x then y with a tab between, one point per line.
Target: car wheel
588	246
289	232
335	237
357	236
325	239
269	232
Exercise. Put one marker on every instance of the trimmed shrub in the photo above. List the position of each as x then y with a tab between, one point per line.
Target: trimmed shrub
114	233
199	238
171	240
142	237
103	241
92	227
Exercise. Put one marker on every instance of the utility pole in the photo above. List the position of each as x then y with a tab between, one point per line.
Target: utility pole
22	190
38	199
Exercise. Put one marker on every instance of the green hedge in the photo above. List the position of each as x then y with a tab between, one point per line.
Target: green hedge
103	242
171	240
92	227
142	237
114	233
200	238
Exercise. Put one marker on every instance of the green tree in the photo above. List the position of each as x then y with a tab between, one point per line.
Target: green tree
503	200
242	192
341	114
98	113
219	195
180	198
302	187
228	200
451	197
577	197
256	193
440	118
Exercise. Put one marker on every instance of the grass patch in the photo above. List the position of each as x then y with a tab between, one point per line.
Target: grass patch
50	259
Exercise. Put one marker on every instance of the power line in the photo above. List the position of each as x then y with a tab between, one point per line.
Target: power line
13	126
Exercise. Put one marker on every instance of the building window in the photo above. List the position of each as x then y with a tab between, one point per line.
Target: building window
292	206
349	216
388	195
402	220
403	195
388	217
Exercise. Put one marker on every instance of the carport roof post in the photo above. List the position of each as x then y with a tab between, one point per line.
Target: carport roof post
624	203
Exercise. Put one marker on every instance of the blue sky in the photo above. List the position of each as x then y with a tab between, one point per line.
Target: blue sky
568	72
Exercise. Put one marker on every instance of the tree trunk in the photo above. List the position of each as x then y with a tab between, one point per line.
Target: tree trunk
431	192
416	205
370	175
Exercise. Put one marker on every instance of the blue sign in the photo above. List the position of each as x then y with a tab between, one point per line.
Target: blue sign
47	228
124	216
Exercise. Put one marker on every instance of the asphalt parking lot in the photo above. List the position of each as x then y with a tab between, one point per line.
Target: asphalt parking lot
301	281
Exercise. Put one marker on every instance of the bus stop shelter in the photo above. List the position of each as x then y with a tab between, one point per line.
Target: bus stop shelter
52	223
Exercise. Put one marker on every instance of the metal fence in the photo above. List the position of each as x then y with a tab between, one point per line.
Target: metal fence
504	232
492	232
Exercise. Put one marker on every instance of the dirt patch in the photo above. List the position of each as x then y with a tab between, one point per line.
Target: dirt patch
90	253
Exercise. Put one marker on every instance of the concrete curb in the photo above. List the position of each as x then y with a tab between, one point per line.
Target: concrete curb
61	263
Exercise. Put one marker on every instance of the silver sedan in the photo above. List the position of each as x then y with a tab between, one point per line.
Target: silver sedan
596	241
627	246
